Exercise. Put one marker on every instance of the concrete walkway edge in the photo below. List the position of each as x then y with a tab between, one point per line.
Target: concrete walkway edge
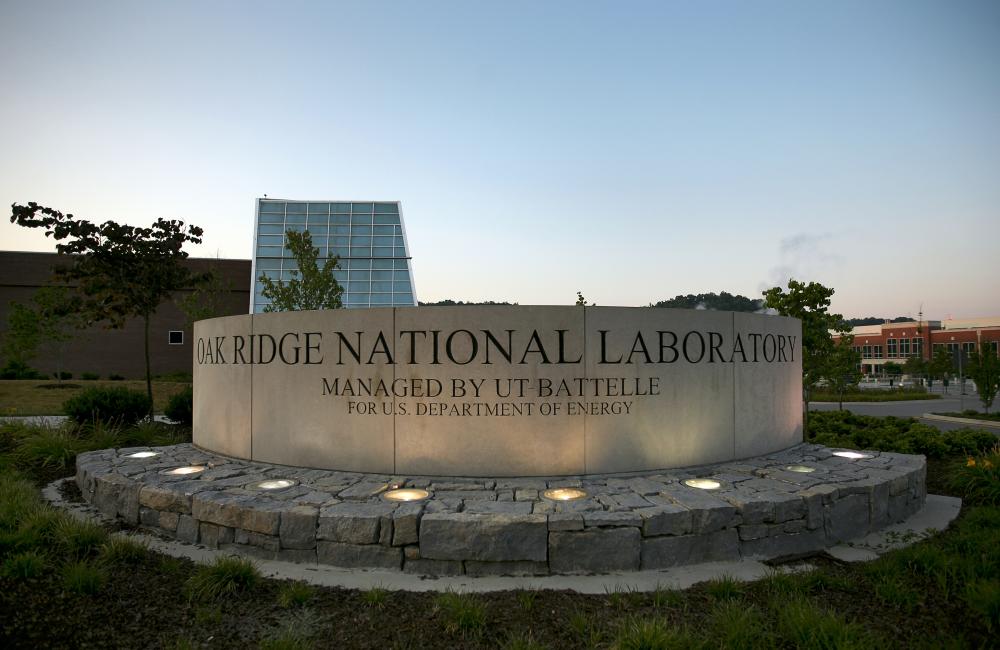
970	421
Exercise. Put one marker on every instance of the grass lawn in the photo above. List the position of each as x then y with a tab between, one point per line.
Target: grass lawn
70	584
872	395
46	397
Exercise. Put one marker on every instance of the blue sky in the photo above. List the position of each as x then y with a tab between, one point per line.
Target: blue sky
632	151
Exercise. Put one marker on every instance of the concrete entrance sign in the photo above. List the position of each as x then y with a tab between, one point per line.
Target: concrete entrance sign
497	390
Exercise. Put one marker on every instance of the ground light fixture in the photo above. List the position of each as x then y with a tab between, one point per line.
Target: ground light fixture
406	494
143	454
801	469
853	455
276	484
187	469
702	483
564	494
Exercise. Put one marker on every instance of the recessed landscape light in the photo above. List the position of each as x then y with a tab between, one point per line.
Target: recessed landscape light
801	469
702	483
188	469
564	494
143	454
406	494
854	455
276	484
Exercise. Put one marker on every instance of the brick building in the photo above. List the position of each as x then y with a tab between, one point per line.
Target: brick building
896	342
119	352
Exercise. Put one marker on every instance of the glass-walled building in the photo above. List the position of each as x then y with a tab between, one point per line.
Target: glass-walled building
369	237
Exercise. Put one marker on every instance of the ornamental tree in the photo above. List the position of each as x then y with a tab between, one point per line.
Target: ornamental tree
809	303
310	287
984	369
841	371
120	271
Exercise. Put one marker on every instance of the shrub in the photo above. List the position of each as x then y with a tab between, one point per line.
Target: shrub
462	613
28	564
19	370
78	538
62	375
124	550
89	376
52	448
903	435
119	405
116	377
225	576
180	407
84	577
295	594
978	479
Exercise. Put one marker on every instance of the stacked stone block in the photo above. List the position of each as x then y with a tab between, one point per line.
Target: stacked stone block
480	526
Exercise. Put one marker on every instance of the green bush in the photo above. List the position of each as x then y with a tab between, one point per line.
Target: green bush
19	370
978	479
116	377
62	375
89	376
224	577
180	407
902	435
84	577
118	405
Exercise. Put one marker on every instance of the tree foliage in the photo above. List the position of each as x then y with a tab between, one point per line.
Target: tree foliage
310	287
841	368
207	300
984	369
809	303
120	271
721	302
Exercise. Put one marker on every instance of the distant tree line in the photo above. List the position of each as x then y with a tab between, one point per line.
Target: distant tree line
724	301
452	303
872	320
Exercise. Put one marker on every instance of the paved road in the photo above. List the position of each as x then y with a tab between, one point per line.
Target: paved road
914	409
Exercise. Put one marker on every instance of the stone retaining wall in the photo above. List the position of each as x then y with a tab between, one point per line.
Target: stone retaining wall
503	526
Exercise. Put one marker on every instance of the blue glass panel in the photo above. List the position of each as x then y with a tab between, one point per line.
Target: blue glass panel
381	298
340	241
259	308
264	263
271	218
274	275
340	230
361	230
290	264
272	206
319	208
318	223
399	241
359	299
340	218
358	251
382	286
287	275
296	218
340	208
365	219
382	241
402	298
319	241
402	286
361	207
361	264
363	274
381	264
270	229
400	252
340	276
381	275
269	251
387	208
270	240
402	264
295	208
387	218
385	230
382	251
401	276
286	253
340	251
361	241
357	286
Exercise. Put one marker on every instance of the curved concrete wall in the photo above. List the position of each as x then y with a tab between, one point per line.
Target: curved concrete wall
497	390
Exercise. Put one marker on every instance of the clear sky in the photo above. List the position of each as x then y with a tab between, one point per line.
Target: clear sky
632	151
